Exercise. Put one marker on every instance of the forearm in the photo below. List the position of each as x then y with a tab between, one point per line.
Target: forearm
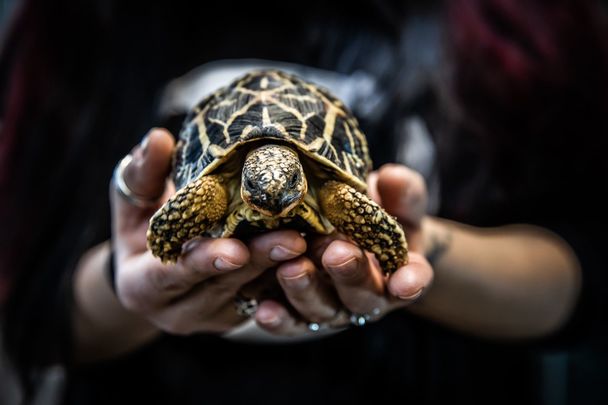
102	327
508	282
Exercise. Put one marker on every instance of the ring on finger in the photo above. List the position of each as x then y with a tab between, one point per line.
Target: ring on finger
340	320
316	327
336	322
344	319
124	190
245	306
320	327
363	319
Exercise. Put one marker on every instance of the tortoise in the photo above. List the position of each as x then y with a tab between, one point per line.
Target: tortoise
269	151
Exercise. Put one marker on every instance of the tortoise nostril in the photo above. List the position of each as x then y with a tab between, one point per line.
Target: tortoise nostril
249	184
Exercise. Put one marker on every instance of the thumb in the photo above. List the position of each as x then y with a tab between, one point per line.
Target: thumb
403	193
143	188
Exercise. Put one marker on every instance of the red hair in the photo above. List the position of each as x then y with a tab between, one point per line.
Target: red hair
513	56
31	77
530	79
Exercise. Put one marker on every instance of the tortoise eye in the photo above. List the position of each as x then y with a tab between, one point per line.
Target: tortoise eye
294	179
249	184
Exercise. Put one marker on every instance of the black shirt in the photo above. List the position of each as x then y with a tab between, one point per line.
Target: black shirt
401	357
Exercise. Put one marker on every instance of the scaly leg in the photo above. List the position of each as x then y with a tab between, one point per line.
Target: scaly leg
188	214
366	223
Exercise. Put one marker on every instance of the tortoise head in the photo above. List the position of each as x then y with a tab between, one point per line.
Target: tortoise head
273	181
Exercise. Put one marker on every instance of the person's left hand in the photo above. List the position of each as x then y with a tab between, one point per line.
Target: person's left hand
337	284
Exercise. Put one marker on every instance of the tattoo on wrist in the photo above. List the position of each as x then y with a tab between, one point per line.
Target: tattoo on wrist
440	242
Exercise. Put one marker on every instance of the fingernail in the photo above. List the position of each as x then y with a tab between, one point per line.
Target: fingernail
144	144
346	265
190	245
280	253
224	265
299	282
413	296
267	317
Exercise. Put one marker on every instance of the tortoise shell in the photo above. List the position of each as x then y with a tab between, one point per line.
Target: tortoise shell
272	104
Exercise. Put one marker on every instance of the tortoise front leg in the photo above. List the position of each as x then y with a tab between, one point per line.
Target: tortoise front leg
366	223
188	214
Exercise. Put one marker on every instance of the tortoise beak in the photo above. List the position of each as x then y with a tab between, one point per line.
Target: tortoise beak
288	202
279	206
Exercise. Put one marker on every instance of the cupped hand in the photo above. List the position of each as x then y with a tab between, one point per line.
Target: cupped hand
337	284
197	293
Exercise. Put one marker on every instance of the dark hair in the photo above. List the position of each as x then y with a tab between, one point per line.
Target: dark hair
68	90
530	79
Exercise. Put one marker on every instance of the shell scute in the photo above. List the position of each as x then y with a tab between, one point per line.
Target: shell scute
275	105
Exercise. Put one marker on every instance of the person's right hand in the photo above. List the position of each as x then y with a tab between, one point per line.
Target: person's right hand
337	279
197	293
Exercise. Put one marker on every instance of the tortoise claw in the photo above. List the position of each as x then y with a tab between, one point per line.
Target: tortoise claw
188	214
366	223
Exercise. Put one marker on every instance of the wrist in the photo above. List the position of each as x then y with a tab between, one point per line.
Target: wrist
436	239
102	326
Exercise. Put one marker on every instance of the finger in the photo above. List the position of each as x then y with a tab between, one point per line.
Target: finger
306	292
274	318
151	164
201	310
319	244
145	176
410	282
267	251
145	284
359	285
218	293
403	193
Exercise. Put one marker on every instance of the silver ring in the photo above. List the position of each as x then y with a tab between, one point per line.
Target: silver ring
359	319
344	319
125	191
244	306
363	319
316	327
